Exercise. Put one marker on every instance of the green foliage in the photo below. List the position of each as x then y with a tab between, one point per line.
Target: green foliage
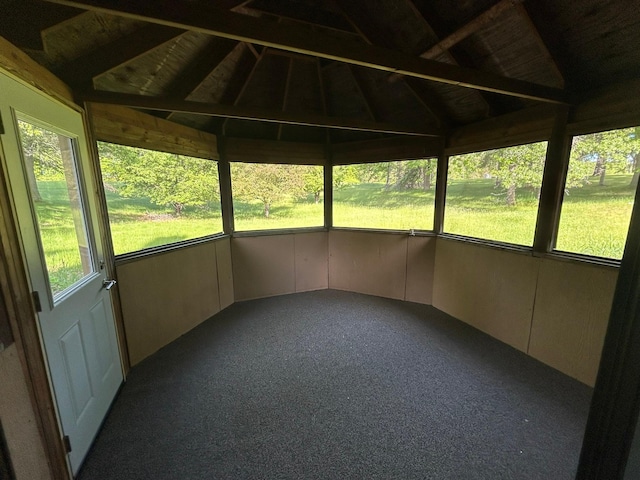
41	149
314	182
595	154
268	183
163	178
511	168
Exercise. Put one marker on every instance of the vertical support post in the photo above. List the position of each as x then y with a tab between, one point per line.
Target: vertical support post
108	254
328	188
616	398
224	176
553	180
441	190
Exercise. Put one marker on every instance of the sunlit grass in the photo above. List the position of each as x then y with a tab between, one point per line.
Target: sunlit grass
594	219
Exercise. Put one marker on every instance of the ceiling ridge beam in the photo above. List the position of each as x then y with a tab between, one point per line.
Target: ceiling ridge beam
251	113
239	27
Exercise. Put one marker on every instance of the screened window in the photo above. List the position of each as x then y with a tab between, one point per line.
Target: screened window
494	194
599	192
395	195
156	198
269	196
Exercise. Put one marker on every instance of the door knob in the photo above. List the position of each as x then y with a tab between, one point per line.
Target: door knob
108	284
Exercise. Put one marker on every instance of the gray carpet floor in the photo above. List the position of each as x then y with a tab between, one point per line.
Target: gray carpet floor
337	385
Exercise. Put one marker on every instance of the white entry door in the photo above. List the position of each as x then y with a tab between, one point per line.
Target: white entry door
45	153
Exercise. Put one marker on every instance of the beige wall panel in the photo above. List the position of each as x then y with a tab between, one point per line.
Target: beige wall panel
19	421
311	261
420	263
164	296
368	262
263	266
570	318
225	272
490	289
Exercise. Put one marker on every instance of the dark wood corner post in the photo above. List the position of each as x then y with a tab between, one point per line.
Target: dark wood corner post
441	189
616	398
328	188
105	235
553	180
226	199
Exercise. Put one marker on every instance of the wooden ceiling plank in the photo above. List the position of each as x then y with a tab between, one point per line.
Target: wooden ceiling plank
455	58
366	100
227	24
286	94
323	96
82	70
541	44
245	85
431	102
353	24
23	23
252	113
463	32
192	76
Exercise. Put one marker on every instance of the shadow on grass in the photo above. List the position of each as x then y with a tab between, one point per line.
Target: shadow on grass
376	195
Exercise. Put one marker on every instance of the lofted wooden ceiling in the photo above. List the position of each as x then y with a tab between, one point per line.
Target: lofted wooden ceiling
329	70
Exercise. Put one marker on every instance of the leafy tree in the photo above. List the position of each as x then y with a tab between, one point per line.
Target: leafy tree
517	167
415	174
267	182
615	151
41	151
314	182
166	179
345	175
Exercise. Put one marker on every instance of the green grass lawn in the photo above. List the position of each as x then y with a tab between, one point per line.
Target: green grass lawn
594	219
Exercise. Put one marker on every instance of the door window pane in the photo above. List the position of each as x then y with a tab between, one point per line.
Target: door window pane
51	170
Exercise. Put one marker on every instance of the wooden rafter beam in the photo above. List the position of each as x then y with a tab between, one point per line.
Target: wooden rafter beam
294	38
251	113
463	32
82	70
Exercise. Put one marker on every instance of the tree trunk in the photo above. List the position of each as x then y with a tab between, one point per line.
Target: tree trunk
636	170
317	197
31	175
603	171
511	195
388	175
177	209
267	208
